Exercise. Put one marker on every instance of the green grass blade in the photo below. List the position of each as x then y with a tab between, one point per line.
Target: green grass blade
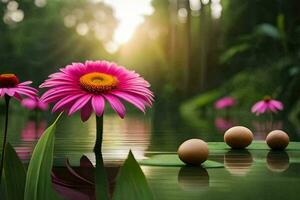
14	174
38	181
131	182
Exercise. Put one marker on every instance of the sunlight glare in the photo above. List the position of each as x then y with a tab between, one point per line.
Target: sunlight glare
130	14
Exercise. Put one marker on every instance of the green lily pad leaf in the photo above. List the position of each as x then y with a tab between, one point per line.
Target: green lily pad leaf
14	175
38	181
131	182
172	160
256	145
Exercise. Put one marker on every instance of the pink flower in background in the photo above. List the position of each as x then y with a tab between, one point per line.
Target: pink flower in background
87	86
266	105
34	103
11	86
225	102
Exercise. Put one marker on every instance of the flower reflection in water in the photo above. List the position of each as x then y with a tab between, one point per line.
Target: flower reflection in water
33	130
262	128
223	124
278	161
193	178
78	182
120	136
24	152
238	162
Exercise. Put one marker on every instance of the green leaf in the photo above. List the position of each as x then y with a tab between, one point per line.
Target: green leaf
268	30
172	160
233	51
131	182
14	174
38	181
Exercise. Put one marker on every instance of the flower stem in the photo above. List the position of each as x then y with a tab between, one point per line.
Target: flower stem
7	99
99	134
100	173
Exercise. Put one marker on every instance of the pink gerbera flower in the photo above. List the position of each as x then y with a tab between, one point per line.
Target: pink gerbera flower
267	105
34	104
225	102
11	87
87	86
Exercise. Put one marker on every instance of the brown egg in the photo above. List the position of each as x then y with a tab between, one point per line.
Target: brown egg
238	137
193	151
277	140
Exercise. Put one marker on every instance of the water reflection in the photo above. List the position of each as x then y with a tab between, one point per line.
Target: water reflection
30	133
120	136
238	162
262	128
193	178
33	130
278	161
79	182
24	152
223	124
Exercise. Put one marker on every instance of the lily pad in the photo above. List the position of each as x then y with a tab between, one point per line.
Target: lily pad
256	145
172	160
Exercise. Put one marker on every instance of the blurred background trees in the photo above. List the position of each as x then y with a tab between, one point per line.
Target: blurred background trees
185	48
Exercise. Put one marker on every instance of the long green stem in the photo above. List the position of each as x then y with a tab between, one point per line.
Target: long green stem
7	98
100	173
99	134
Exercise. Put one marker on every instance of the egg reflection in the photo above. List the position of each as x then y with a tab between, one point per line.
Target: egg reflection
238	163
193	178
278	161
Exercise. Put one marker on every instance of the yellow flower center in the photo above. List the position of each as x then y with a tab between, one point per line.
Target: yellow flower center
98	82
8	80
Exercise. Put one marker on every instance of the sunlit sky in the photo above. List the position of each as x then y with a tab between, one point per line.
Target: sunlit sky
130	14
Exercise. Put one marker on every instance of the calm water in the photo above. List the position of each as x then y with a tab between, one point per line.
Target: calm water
249	174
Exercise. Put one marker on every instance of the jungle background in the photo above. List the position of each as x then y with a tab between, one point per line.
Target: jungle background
191	51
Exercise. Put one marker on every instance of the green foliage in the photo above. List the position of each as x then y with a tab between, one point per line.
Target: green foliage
172	160
131	182
267	30
232	51
38	181
14	175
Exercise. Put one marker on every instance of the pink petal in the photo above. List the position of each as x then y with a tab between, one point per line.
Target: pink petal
116	104
277	104
42	105
9	91
256	107
29	103
131	99
64	101
86	112
18	97
98	104
25	83
79	103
